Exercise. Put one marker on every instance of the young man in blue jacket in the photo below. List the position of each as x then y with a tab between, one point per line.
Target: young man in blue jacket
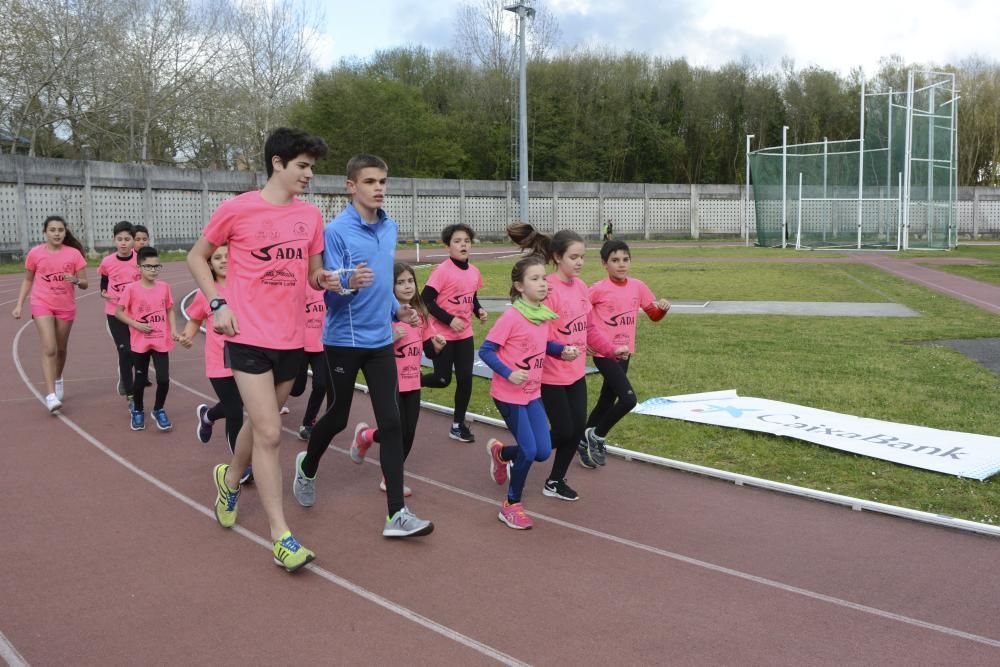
360	246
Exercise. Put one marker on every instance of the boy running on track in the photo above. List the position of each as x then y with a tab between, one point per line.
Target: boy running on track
148	309
515	348
359	245
617	300
117	271
410	342
60	266
564	385
451	295
275	251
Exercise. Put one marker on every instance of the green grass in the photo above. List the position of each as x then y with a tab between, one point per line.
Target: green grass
988	271
881	368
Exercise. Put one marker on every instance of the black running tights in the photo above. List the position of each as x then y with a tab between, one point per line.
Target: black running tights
409	413
161	362
617	398
316	360
459	354
379	368
566	407
123	344
229	407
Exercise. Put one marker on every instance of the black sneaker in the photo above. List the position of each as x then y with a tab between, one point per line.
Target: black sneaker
584	451
558	488
461	433
204	431
305	431
595	447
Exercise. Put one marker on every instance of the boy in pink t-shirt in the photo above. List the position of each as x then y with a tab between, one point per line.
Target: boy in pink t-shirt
451	297
147	308
617	300
117	271
60	267
515	349
275	253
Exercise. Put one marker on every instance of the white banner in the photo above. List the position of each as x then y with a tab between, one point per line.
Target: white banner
962	454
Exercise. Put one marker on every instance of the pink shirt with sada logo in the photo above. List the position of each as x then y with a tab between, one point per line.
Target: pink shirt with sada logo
572	302
521	347
149	305
215	365
267	276
456	288
315	317
120	273
49	287
409	351
617	305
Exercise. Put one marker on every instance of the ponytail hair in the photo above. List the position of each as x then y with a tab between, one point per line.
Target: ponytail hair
550	248
520	268
69	239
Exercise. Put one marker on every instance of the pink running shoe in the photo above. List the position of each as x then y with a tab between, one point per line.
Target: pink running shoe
514	516
362	441
498	467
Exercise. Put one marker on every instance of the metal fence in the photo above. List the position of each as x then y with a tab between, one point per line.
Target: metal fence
176	203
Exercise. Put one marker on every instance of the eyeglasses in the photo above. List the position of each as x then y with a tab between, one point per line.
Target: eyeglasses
151	267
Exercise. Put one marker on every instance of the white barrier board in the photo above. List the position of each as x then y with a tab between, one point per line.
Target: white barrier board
952	452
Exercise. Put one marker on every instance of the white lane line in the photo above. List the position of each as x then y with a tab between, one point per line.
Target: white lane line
10	654
721	569
385	603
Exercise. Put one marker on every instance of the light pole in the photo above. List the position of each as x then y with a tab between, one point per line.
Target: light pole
746	195
523	12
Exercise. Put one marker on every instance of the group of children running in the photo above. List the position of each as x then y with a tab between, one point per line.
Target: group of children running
279	293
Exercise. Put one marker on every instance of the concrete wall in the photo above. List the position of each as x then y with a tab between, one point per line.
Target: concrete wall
176	203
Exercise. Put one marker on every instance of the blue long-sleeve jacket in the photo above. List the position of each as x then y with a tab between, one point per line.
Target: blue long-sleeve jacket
364	318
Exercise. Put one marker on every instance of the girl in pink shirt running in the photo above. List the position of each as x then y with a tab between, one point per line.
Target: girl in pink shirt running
617	300
564	387
60	265
451	297
410	343
515	349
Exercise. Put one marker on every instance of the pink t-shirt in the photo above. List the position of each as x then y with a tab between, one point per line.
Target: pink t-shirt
521	347
120	272
572	302
409	351
149	305
268	273
315	317
215	366
455	289
49	287
616	307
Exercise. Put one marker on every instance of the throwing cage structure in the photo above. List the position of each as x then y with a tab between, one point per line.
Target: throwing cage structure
894	188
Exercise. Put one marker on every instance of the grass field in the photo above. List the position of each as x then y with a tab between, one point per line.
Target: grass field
881	368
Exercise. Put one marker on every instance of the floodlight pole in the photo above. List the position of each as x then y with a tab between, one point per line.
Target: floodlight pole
523	12
784	185
908	153
861	161
746	195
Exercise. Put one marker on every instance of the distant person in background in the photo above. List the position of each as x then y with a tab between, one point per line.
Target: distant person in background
606	231
60	266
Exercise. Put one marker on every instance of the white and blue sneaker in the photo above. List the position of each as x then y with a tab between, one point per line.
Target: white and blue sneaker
161	419
138	420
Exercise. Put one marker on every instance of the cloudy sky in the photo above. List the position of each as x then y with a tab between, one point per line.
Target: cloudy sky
834	34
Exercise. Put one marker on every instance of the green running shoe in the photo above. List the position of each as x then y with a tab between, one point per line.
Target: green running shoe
289	554
225	502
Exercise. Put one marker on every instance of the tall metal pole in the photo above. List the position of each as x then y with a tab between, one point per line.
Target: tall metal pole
861	162
523	12
784	186
746	196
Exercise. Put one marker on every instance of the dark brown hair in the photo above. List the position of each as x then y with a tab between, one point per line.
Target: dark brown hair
549	247
519	269
69	239
417	302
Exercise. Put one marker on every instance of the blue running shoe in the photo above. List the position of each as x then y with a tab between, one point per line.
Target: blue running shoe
162	421
138	420
204	424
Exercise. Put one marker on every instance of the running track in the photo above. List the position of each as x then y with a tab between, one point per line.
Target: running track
112	555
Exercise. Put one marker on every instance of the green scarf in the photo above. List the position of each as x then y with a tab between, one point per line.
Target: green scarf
535	314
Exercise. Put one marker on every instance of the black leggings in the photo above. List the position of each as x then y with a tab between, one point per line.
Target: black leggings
566	407
460	354
318	362
161	363
379	368
123	343
617	398
229	407
409	413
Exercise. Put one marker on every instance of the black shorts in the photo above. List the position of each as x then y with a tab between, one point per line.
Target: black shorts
285	364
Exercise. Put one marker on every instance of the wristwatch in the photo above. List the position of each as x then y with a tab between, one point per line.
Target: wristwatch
216	303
